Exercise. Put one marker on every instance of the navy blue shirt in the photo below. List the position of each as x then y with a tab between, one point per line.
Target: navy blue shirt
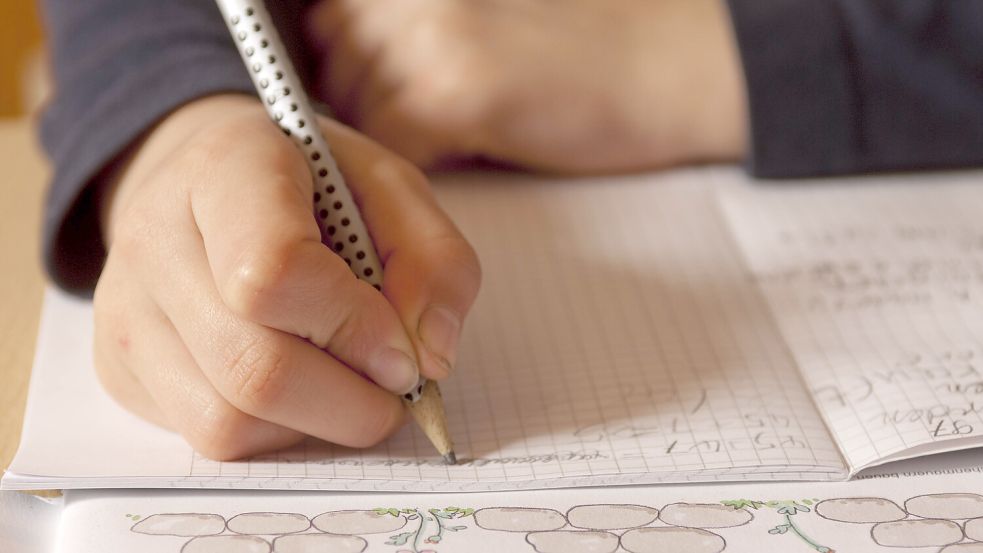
834	86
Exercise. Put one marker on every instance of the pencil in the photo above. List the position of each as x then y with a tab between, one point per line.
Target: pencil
342	228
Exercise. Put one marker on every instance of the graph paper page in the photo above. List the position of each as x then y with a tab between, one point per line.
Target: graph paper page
616	340
877	287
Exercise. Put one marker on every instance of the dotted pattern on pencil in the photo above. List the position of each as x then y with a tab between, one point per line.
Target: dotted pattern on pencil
282	93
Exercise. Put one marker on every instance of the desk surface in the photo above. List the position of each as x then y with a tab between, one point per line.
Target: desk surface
22	281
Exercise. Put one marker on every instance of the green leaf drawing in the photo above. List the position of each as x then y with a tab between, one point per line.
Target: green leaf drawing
424	525
787	508
792	509
739	504
400	539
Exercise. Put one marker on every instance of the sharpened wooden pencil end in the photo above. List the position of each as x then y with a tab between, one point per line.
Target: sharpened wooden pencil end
428	412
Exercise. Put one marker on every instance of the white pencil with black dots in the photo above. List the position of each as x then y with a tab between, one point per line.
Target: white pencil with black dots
282	93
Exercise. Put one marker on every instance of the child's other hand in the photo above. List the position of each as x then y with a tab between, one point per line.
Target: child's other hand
220	314
574	86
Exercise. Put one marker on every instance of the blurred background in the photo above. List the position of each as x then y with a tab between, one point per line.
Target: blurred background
20	70
23	174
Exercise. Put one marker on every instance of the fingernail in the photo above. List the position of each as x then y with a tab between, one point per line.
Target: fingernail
439	330
395	371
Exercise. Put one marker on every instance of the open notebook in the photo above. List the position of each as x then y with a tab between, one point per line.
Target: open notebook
688	326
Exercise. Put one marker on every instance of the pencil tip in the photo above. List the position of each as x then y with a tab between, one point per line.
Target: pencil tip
450	458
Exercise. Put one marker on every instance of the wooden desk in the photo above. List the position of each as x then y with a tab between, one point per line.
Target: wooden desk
23	175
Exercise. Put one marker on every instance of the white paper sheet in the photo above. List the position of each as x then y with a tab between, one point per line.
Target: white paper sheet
877	286
28	524
901	508
616	341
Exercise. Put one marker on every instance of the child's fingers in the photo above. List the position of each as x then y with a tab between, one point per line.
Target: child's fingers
432	274
120	383
432	285
212	425
267	373
116	318
269	265
146	367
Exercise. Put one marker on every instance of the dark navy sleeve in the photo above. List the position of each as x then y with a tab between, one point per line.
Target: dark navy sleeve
852	86
119	66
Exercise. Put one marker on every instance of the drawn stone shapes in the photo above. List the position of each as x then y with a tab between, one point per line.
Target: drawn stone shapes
573	541
268	523
594	527
662	540
951	506
519	519
963	548
611	517
319	543
289	530
704	515
180	524
925	521
950	522
860	510
582	529
974	529
227	544
916	533
357	522
935	525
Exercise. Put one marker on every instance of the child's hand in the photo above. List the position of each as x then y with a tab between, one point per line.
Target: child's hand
579	85
220	314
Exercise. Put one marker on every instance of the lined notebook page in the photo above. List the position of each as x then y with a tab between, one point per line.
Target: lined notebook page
616	340
877	286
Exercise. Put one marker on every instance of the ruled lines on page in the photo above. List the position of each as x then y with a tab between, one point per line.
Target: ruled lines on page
616	340
877	287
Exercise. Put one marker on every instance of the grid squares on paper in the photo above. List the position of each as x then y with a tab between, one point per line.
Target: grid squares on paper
877	289
617	339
